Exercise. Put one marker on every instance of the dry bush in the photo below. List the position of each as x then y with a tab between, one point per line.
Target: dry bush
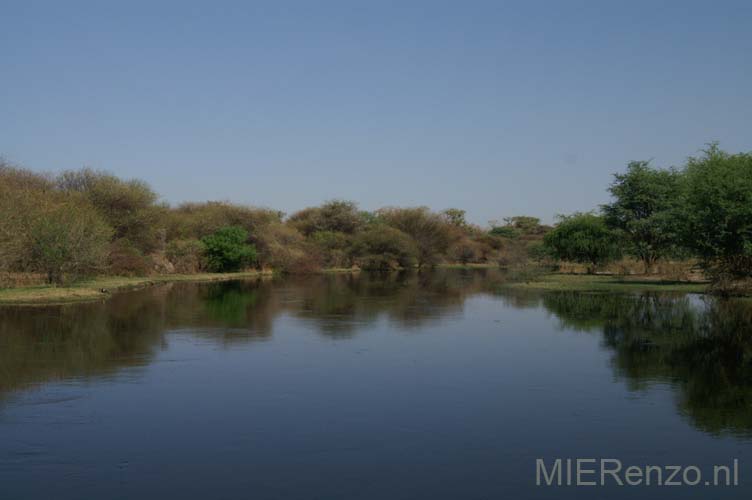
198	220
185	255
283	248
17	280
125	259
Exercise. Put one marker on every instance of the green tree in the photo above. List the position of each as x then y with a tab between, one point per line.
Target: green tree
583	238
227	250
523	223
645	210
718	210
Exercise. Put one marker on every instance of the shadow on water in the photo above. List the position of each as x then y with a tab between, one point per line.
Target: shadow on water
701	347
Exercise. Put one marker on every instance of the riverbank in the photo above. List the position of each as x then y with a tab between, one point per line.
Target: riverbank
607	283
92	289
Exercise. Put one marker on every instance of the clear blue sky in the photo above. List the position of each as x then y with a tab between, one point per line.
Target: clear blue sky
501	108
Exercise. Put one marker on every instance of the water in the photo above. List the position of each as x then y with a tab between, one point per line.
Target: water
441	385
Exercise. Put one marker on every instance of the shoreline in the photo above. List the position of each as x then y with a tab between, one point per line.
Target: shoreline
91	290
607	283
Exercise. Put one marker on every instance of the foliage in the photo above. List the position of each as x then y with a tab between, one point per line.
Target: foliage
455	217
125	259
505	232
333	216
432	235
67	241
128	206
718	210
384	247
186	255
333	246
227	250
645	209
585	238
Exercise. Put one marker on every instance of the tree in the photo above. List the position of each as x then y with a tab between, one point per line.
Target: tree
336	216
645	210
384	247
455	217
21	195
584	238
227	249
68	241
718	210
432	235
128	206
523	223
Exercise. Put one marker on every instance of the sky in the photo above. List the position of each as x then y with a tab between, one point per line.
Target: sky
499	108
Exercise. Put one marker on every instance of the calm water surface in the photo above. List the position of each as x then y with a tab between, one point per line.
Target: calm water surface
438	386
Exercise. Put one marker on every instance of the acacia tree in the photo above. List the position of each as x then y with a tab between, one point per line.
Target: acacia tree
583	238
334	216
67	241
432	235
718	210
383	247
645	211
128	206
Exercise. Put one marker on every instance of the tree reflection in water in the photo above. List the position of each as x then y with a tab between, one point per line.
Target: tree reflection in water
699	346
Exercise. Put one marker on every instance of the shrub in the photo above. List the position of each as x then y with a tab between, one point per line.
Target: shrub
430	232
333	216
128	206
584	238
186	255
227	250
125	259
67	241
383	247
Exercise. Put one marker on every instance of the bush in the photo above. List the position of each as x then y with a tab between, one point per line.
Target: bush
186	255
430	232
584	238
67	241
335	216
128	206
125	259
227	250
334	248
383	247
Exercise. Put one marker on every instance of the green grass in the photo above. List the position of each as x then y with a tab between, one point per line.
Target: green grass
598	283
92	289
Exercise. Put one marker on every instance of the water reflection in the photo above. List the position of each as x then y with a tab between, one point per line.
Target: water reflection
700	347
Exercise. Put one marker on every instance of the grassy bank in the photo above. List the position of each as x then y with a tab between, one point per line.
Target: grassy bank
601	283
92	289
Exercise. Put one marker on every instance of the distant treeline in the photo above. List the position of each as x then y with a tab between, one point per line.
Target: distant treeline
87	222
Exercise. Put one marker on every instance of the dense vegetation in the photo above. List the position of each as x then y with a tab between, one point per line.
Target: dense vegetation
86	222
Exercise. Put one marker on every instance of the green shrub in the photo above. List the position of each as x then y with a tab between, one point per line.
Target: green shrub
227	250
584	238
